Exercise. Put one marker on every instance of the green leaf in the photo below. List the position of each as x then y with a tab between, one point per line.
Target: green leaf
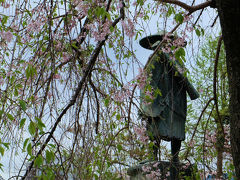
4	19
32	128
22	105
1	112
106	102
1	165
30	71
29	149
52	145
74	45
19	86
118	116
158	92
50	174
198	32
170	11
49	156
10	117
6	145
100	12
180	54
2	150
22	122
38	161
119	147
140	2
29	13
111	28
202	31
179	18
40	124
15	93
25	143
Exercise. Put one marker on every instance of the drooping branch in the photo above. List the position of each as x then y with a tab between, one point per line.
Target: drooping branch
186	6
93	59
195	129
215	82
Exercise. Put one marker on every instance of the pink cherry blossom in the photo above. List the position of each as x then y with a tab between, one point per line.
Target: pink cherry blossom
187	18
166	49
1	80
5	5
141	78
200	90
65	56
146	168
129	28
56	76
191	143
141	133
179	42
100	35
156	164
7	36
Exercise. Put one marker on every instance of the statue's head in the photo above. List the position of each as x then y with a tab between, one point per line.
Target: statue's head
151	42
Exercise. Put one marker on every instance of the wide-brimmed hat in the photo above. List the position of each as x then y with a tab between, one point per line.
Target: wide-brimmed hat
151	42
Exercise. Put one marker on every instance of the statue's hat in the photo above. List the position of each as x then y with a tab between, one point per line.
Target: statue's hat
151	42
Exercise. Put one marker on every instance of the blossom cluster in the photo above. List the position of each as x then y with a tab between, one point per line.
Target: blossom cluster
153	172
128	27
141	79
121	95
6	35
141	134
5	4
100	35
211	138
82	7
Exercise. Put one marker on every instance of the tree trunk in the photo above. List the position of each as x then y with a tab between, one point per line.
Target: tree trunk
229	13
220	149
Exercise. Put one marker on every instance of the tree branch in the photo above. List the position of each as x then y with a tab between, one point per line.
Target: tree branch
93	59
199	119
215	82
186	6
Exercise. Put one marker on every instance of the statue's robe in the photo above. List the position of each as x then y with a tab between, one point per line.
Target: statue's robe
166	113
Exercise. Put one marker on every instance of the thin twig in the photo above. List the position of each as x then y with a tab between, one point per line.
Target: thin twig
195	129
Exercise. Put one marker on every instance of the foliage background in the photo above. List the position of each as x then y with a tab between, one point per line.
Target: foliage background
70	75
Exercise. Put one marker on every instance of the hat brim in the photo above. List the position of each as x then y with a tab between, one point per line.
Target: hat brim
148	41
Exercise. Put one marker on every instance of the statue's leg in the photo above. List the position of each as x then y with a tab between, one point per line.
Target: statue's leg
175	148
156	148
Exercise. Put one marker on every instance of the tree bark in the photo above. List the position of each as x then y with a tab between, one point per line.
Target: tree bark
229	13
220	149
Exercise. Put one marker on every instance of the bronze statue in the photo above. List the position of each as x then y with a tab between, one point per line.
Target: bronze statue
166	111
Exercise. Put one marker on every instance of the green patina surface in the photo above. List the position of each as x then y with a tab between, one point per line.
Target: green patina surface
167	111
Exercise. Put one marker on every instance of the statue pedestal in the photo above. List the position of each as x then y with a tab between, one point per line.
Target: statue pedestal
158	170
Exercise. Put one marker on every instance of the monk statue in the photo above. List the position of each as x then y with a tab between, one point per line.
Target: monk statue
163	99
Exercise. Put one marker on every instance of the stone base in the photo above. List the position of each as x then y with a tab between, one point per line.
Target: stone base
159	170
